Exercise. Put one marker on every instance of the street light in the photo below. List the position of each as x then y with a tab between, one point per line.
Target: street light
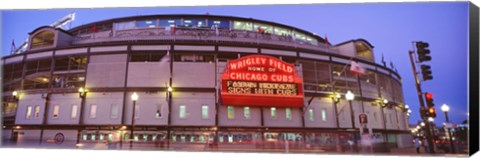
430	119
422	124
445	109
406	106
82	92
134	98
15	95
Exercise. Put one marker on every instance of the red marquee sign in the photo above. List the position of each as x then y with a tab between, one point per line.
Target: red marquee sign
259	80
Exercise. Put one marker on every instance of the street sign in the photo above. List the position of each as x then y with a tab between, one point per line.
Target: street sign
363	118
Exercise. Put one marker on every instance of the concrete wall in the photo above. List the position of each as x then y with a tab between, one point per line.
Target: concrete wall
104	103
344	114
238	117
317	105
404	141
69	142
347	49
152	74
148	104
190	74
30	100
106	70
28	138
65	103
375	120
193	103
281	119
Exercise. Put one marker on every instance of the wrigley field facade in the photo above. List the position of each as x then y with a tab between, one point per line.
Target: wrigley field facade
197	82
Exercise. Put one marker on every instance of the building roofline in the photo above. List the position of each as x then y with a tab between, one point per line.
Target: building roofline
46	26
320	39
356	40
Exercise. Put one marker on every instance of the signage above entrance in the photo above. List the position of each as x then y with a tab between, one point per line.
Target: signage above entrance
260	80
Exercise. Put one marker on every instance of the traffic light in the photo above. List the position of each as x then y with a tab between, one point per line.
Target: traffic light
426	72
429	99
423	52
431	112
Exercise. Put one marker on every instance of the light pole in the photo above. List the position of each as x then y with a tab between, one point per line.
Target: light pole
385	102
82	93
336	98
445	109
134	98
350	96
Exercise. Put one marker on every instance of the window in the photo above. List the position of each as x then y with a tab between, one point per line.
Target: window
73	115
147	56
125	25
114	111
137	111
193	58
311	114
324	115
282	31
182	111
204	111
126	136
56	110
262	28
101	137
146	23
93	111
37	111
273	112
246	112
84	136
135	137
241	25
43	39
230	112
29	112
194	23
159	112
110	137
288	113
221	24
169	22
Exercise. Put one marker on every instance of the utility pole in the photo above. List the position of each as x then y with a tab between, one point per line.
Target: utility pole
422	105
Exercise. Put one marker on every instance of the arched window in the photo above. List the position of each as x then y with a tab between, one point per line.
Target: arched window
364	51
43	39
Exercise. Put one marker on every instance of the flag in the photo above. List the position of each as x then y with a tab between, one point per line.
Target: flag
174	29
326	41
357	68
216	31
13	48
94	28
383	61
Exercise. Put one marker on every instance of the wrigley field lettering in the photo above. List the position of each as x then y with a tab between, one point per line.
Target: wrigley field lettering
243	87
259	80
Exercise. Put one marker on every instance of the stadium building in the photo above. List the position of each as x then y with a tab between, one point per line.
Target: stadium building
198	82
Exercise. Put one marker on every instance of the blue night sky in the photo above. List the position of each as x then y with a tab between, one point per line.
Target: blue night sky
390	27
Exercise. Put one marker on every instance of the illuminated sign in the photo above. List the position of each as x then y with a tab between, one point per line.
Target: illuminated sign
259	80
